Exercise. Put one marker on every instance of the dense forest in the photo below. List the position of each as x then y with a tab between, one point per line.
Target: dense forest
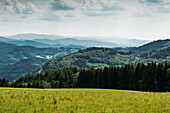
101	57
142	77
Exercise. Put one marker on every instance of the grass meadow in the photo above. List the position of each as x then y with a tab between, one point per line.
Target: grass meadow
16	100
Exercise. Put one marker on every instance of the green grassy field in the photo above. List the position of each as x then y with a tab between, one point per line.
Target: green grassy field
15	100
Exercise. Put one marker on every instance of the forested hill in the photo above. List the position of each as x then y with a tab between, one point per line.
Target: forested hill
100	57
4	47
18	69
154	45
15	61
10	53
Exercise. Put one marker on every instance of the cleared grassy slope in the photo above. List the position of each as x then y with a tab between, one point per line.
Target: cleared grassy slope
81	101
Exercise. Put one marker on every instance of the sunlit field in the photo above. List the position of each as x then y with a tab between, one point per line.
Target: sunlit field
15	100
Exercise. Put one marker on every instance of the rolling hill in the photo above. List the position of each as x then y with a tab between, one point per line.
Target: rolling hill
6	47
100	57
32	36
50	42
20	52
154	45
41	41
124	42
18	60
73	41
3	39
23	42
18	69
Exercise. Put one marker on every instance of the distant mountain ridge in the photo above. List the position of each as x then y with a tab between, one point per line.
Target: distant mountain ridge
31	36
4	39
77	42
60	42
27	43
112	41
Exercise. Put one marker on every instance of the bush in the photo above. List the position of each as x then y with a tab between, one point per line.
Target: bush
44	84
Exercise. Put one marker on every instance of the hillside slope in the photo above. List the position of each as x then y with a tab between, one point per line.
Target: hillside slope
4	47
100	57
17	53
18	69
16	60
154	45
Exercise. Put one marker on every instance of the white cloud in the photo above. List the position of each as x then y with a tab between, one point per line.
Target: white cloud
88	7
63	4
160	6
8	2
17	7
101	7
49	17
31	8
151	1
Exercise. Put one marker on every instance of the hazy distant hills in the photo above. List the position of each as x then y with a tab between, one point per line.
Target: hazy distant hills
136	43
27	43
62	41
125	42
30	43
77	42
154	45
59	42
3	39
31	36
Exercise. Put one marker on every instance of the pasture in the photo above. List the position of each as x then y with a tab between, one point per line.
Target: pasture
16	100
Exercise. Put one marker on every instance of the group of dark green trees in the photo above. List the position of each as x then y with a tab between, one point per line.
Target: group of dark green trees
142	77
60	78
4	82
150	77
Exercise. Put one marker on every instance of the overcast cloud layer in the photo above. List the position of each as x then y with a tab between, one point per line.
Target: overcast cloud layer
141	19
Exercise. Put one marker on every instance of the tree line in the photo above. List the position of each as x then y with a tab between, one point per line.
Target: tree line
140	77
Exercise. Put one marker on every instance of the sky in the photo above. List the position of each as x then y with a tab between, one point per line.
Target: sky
140	19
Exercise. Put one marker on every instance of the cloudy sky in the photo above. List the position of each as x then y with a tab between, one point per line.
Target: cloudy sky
141	19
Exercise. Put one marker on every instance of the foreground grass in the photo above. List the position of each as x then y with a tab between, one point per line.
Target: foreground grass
15	100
